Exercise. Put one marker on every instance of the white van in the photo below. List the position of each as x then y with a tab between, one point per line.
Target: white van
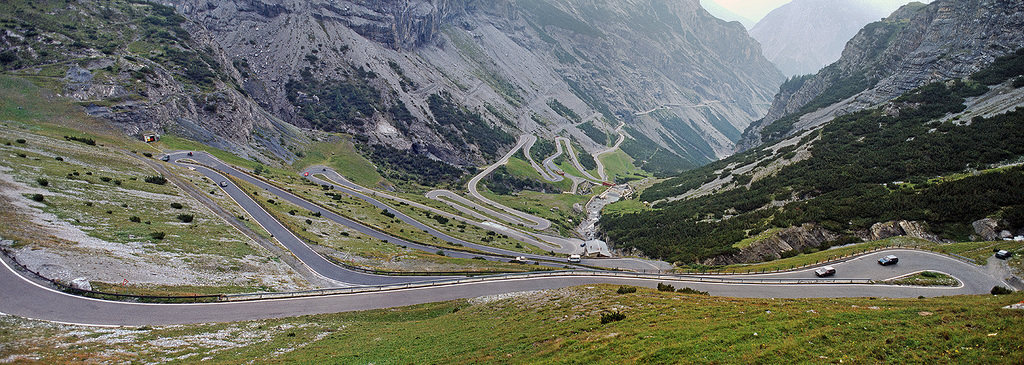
574	258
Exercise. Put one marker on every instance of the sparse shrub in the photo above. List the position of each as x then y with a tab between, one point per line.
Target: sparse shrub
317	214
158	180
176	205
20	141
157	235
135	219
88	141
309	221
271	201
626	290
22	155
38	197
88	204
665	287
185	218
58	158
440	253
388	214
1001	290
105	178
42	182
291	212
147	154
110	212
117	182
612	317
688	290
344	234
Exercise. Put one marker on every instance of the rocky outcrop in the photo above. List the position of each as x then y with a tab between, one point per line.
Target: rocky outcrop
885	230
989	229
916	45
794	238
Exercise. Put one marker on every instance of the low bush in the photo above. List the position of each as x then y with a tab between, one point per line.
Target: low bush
135	219
38	197
1001	290
626	290
186	218
176	205
42	182
612	317
688	290
158	235
20	141
158	180
666	287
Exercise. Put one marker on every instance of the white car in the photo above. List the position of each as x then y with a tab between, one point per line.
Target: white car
574	258
825	271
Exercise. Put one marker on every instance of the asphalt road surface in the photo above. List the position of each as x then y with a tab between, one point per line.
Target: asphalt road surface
22	297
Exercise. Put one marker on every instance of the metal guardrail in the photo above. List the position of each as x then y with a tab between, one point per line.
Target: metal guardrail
570	273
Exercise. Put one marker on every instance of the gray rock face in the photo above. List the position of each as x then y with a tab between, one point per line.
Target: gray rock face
793	238
885	230
987	229
621	59
916	45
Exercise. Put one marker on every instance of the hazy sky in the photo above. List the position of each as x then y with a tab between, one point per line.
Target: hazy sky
752	9
757	9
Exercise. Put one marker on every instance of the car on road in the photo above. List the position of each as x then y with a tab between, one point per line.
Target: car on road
519	260
825	271
166	158
1003	254
223	183
574	258
888	260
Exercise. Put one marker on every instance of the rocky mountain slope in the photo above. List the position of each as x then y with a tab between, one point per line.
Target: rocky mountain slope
684	82
914	46
143	67
929	160
803	36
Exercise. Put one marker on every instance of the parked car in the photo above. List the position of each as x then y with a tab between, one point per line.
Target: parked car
166	158
888	260
825	271
1003	254
574	258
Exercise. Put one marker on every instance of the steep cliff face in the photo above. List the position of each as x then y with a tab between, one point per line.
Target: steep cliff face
684	82
947	39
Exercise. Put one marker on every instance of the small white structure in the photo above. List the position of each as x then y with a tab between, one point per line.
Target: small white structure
150	137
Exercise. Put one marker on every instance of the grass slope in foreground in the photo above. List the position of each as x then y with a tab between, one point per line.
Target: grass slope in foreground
564	326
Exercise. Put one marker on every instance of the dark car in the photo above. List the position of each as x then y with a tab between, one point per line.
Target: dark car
223	183
825	271
165	158
888	260
1003	254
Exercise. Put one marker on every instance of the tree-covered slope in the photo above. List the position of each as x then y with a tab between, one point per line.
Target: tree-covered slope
914	158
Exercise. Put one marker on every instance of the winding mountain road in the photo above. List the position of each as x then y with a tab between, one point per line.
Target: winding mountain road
27	298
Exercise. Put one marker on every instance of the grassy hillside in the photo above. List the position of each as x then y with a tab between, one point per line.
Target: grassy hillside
911	159
565	327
